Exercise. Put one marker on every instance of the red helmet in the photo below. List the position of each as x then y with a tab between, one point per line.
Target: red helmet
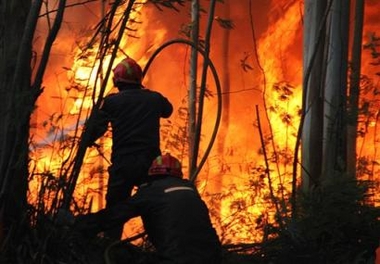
127	71
166	165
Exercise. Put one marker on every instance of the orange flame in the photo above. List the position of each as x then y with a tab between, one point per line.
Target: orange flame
232	182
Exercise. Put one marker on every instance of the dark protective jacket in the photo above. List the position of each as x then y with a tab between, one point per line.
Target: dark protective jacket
175	218
134	114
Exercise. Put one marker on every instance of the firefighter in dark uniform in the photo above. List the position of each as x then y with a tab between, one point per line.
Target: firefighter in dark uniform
175	217
134	114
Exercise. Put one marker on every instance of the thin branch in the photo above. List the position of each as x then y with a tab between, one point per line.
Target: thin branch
267	169
67	6
206	63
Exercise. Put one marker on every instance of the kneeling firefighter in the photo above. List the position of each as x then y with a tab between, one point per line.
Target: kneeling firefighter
174	216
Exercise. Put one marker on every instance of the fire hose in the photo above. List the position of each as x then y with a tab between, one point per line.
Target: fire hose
219	95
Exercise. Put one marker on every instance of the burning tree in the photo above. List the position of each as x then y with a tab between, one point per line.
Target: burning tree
268	197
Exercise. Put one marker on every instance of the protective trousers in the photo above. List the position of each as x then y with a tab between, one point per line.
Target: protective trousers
125	173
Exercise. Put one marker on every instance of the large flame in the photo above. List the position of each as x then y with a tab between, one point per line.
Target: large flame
233	180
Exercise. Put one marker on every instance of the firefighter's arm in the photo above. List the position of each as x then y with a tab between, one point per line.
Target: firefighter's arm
120	214
96	125
93	223
167	108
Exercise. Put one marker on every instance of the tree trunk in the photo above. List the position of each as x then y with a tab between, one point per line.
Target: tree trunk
193	86
19	93
202	91
353	98
17	102
334	130
313	54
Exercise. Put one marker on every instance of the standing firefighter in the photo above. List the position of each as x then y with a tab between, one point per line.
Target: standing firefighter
175	217
134	114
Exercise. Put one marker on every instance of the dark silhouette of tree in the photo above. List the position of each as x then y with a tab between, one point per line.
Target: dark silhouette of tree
19	92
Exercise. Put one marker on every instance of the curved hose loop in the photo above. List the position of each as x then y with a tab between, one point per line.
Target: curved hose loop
218	88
